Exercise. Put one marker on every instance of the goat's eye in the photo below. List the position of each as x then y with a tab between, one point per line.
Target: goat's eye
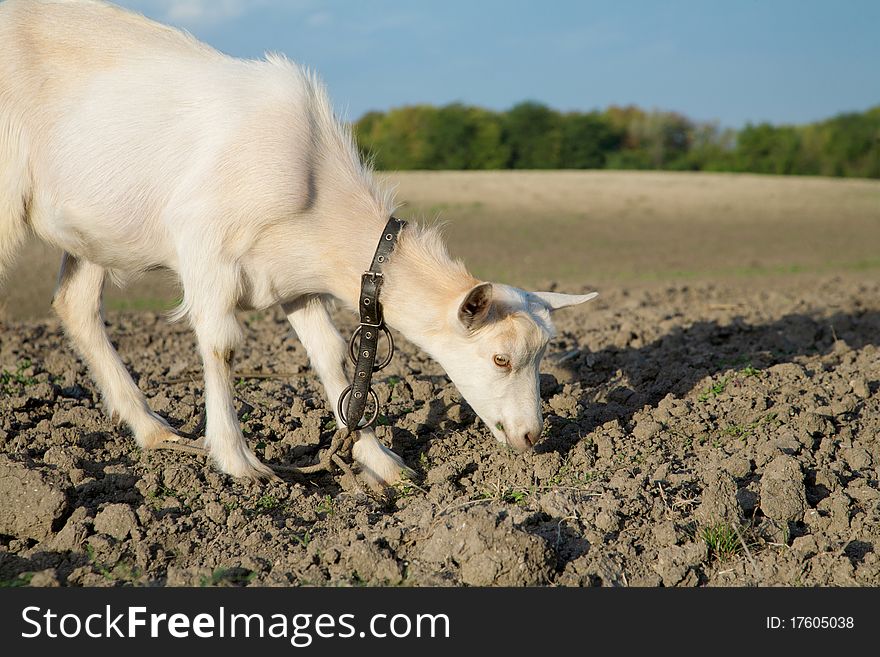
501	360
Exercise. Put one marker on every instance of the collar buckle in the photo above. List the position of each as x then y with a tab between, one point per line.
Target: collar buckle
364	343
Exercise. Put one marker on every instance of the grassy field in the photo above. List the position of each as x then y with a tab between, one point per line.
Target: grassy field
582	229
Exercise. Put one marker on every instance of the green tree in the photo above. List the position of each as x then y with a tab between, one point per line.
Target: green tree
586	141
398	140
461	137
651	140
767	149
532	132
533	136
851	145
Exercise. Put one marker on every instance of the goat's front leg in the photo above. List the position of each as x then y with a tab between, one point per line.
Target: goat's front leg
327	352
219	334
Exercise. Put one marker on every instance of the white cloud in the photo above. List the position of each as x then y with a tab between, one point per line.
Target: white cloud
196	13
200	12
319	19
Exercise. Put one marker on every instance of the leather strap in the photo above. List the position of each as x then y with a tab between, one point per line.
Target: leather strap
353	401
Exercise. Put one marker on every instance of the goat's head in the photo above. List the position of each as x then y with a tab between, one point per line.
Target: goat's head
492	351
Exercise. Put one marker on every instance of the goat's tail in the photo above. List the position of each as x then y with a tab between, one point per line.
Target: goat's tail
14	194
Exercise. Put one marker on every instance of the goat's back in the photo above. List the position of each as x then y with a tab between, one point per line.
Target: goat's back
124	118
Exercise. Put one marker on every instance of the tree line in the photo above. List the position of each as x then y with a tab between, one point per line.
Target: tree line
534	136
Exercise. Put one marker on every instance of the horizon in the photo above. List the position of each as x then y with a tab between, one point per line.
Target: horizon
786	63
601	110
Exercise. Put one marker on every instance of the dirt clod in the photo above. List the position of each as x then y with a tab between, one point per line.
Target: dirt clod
782	490
116	520
719	503
676	564
30	503
489	550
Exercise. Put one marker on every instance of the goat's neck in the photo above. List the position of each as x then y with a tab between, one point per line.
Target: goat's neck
421	287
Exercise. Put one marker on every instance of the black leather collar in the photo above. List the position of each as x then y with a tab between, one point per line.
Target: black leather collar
364	342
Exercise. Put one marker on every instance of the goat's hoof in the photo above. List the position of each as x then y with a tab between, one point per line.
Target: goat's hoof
266	473
175	443
379	466
157	438
249	468
259	475
274	478
391	479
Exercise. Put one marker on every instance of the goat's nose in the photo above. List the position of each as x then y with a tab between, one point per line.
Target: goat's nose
532	437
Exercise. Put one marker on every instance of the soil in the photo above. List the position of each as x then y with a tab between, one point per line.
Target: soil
695	435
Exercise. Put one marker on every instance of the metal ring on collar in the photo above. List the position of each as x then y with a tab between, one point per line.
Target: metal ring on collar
352	348
363	424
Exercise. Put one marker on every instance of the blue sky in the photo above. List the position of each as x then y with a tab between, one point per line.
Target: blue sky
783	61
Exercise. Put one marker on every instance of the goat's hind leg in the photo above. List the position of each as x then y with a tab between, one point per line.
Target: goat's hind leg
78	303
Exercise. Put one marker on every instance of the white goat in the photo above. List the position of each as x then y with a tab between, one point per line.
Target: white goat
132	146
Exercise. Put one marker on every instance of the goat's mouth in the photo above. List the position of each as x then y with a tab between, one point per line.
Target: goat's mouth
512	439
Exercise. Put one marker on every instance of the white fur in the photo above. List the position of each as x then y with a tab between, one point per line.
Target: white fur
132	146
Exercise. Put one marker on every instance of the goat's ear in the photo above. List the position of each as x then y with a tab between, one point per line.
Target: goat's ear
474	310
555	301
